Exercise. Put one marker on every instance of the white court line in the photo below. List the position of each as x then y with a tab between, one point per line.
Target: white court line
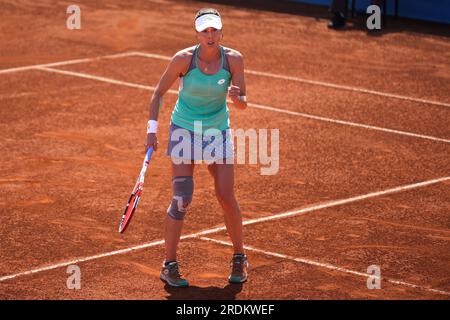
75	261
98	78
327	266
66	62
252	105
348	123
349	88
255	72
317	83
151	55
222	228
348	200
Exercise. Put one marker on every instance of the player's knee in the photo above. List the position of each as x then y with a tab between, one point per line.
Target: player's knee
183	190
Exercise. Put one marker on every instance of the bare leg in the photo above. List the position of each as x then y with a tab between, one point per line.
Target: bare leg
224	184
173	227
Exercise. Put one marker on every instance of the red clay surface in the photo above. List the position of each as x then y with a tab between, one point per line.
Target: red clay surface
72	148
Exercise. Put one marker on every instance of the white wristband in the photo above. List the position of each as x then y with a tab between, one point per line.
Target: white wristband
152	126
243	98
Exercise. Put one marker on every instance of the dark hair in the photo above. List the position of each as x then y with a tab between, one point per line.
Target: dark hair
204	11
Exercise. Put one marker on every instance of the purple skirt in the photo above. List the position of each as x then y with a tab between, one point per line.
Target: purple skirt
210	146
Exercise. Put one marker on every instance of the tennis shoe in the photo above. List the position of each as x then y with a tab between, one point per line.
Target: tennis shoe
170	274
239	265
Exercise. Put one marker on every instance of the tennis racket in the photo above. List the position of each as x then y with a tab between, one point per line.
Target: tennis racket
136	194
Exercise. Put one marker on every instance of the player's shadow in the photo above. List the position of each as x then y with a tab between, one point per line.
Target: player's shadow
228	292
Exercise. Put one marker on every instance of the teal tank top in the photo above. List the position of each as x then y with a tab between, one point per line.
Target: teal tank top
202	97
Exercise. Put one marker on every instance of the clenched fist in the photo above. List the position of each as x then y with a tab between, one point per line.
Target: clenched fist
234	92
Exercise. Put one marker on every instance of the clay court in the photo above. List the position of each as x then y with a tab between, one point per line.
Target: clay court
364	171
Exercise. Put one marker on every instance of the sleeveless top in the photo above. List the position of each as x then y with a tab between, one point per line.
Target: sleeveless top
202	97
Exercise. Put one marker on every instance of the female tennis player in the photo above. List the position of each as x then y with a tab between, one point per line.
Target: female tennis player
207	72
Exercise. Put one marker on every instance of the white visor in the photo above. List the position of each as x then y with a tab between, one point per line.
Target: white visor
208	21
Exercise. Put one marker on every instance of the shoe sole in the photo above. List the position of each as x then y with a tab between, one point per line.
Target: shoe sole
172	284
237	282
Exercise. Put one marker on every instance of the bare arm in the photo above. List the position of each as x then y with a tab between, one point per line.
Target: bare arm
169	76
237	88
